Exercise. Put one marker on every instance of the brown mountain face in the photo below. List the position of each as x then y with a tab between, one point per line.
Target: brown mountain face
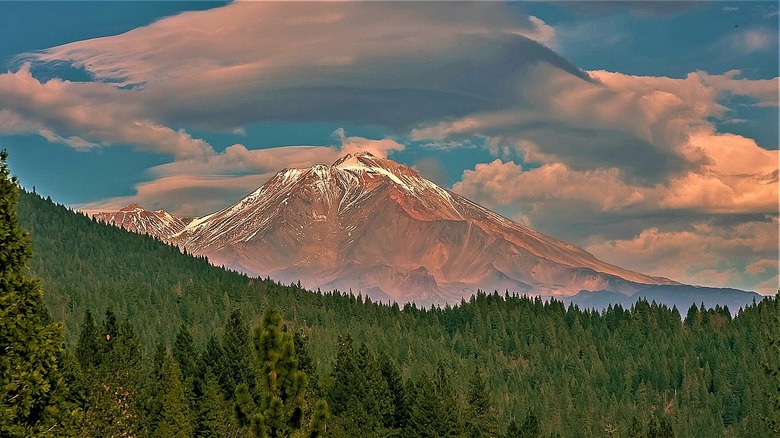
135	218
374	226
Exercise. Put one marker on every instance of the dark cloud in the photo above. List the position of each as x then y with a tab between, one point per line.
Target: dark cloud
394	92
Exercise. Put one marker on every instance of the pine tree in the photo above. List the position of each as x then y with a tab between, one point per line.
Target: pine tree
529	428
184	352
212	413
112	405
398	396
234	367
110	332
88	349
275	407
319	419
424	405
176	418
32	389
343	377
482	420
449	415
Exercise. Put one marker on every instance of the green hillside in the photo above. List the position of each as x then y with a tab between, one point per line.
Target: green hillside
546	368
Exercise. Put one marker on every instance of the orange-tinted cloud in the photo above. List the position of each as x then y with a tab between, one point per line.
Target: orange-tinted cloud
86	115
703	254
202	185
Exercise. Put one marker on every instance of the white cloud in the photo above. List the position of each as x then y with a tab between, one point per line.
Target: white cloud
379	148
756	39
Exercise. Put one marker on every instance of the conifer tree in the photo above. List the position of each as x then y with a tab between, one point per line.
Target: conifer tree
32	389
176	420
88	349
529	428
110	332
184	352
481	419
425	410
398	397
234	367
212	359
212	413
275	407
344	376
112	405
449	415
513	430
318	426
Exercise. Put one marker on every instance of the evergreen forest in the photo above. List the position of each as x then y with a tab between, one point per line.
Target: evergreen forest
106	333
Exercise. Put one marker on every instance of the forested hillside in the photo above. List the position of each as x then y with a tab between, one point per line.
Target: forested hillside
163	344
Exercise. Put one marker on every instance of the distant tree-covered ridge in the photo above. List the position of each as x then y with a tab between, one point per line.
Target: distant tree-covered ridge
160	343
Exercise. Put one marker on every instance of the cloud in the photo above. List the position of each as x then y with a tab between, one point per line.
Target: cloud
183	195
638	8
640	125
379	148
619	219
254	62
432	169
237	160
702	254
735	177
202	185
757	39
764	91
506	183
86	116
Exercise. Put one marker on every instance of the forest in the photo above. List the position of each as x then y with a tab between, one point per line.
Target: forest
109	333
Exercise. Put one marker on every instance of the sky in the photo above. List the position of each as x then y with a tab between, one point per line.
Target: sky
645	132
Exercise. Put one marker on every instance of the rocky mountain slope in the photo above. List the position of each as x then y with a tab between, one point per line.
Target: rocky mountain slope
133	217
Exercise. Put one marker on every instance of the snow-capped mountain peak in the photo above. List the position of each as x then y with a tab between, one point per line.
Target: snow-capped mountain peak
372	224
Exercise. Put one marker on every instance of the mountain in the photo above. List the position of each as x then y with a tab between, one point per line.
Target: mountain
133	217
372	225
681	296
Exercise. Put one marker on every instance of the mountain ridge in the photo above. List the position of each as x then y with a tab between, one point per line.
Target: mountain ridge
135	218
370	224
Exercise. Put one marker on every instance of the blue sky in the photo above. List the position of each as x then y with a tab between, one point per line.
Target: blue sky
645	132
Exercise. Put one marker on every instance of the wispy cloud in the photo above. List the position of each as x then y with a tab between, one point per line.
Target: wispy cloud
251	62
201	185
747	41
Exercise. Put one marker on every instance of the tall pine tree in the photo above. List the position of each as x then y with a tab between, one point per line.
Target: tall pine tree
482	419
32	389
275	407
